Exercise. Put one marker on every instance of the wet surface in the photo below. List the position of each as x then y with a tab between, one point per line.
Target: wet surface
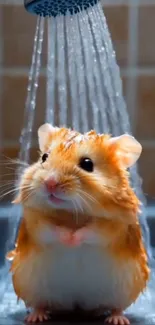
18	320
74	318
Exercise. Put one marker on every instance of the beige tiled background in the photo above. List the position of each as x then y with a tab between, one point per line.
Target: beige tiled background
132	26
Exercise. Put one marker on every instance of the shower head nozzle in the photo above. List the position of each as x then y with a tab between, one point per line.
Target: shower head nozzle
57	7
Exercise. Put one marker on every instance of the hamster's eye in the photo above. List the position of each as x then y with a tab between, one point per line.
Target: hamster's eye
44	157
86	164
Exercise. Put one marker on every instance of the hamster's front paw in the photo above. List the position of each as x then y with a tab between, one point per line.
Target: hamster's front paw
83	235
38	315
70	238
76	238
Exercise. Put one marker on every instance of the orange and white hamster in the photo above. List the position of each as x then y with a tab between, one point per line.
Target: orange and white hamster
79	241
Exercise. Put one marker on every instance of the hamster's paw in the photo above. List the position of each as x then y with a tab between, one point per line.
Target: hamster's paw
72	238
38	315
117	318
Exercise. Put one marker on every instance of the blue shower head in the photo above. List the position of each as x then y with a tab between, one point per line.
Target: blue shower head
57	7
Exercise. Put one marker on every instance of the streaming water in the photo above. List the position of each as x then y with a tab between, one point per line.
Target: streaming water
30	105
51	76
84	90
62	76
26	136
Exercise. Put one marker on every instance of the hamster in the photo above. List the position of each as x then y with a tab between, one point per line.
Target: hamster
79	241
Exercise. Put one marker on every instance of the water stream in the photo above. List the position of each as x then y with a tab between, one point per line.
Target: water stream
29	112
30	105
84	89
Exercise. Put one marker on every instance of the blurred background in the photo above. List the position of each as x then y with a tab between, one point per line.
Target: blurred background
132	26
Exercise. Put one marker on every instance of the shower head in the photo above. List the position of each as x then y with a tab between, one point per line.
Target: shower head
57	7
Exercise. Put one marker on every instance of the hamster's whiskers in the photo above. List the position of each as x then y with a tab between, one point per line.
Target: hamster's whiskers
26	187
80	207
30	193
84	201
13	162
76	211
88	196
7	184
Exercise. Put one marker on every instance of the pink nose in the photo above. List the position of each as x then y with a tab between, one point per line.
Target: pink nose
51	184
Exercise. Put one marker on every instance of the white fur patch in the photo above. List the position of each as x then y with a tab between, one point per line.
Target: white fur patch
47	235
86	275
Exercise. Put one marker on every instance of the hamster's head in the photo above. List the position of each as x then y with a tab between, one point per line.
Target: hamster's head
82	173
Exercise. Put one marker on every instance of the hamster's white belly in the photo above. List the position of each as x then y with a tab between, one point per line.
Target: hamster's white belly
84	275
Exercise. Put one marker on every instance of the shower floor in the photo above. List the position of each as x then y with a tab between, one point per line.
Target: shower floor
14	313
76	319
18	315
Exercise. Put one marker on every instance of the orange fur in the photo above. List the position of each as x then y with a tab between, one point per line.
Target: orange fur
114	205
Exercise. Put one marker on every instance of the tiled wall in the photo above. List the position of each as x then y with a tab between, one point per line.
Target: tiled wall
132	25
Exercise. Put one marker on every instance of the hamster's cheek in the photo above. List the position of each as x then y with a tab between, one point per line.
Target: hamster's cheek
37	198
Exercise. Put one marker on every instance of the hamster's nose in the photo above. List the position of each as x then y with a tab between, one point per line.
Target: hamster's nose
51	184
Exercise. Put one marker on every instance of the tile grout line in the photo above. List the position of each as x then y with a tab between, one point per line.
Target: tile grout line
132	62
136	71
128	72
18	71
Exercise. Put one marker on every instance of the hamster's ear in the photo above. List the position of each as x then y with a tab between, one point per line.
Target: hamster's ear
128	149
43	133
